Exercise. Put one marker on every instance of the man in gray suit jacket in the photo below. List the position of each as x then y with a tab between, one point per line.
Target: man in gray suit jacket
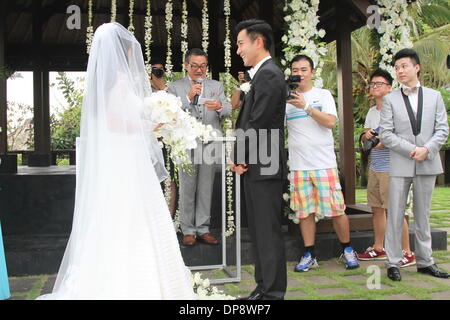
196	187
414	127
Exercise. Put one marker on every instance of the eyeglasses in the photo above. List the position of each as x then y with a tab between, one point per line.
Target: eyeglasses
377	84
196	66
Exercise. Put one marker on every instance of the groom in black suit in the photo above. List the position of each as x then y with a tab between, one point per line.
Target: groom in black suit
260	158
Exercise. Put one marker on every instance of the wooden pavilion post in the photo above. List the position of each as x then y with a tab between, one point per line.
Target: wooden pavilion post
8	162
41	156
345	102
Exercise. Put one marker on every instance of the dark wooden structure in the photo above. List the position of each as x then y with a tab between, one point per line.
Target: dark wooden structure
34	37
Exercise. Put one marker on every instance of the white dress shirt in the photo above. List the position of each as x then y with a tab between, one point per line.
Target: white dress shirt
253	70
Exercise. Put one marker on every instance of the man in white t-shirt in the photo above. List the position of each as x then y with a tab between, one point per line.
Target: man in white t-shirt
378	183
315	189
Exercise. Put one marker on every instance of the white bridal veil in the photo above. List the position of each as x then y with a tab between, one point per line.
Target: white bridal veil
122	244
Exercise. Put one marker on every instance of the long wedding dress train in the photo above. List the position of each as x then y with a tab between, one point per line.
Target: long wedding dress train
123	243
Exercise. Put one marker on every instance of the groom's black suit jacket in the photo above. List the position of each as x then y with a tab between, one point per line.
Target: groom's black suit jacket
264	107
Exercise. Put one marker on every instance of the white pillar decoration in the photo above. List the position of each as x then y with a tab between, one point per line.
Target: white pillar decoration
302	35
148	35
90	28
130	17
205	26
169	27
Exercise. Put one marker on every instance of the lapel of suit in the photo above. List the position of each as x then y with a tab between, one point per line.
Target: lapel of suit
187	85
416	123
246	96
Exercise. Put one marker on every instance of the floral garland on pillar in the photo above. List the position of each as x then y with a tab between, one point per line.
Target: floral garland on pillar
90	28
231	227
228	123
184	31
227	42
130	17
393	30
205	26
169	27
302	35
148	36
113	10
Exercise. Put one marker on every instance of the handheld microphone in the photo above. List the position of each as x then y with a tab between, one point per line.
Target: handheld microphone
195	99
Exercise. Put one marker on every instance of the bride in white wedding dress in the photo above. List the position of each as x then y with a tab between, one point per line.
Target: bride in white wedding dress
123	243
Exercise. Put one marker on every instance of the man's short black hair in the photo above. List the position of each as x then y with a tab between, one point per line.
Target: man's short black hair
195	52
300	57
382	73
407	53
257	28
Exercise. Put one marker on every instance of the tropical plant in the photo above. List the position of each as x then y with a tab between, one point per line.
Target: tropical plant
65	125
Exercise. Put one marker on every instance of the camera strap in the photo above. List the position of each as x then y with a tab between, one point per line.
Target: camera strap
416	123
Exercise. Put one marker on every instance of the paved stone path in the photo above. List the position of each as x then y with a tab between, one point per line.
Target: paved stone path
329	281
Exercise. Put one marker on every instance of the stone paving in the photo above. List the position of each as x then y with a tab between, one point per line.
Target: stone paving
329	282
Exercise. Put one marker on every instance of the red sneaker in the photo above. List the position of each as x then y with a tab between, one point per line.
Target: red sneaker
372	254
408	260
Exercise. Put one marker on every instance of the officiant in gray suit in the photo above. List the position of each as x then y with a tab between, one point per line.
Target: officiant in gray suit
204	99
414	127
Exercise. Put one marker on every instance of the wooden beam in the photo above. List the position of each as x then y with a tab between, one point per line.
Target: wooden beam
360	7
345	103
3	95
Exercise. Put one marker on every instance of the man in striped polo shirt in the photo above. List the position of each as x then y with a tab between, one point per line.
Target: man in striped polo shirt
378	183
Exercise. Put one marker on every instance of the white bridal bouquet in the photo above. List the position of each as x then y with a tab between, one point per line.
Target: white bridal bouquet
179	129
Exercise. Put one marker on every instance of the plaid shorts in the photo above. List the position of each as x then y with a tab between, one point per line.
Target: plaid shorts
316	191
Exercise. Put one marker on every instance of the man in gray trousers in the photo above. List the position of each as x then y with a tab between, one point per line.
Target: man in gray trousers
204	99
414	127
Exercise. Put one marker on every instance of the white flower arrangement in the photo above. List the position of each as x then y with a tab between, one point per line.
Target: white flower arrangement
245	87
231	227
184	30
227	44
204	291
89	29
205	26
180	130
169	27
394	31
302	36
148	36
113	10
130	17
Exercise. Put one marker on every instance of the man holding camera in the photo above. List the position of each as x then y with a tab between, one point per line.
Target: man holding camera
157	76
315	189
204	99
378	181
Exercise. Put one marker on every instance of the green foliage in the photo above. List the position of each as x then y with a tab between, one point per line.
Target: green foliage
446	97
66	128
65	125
